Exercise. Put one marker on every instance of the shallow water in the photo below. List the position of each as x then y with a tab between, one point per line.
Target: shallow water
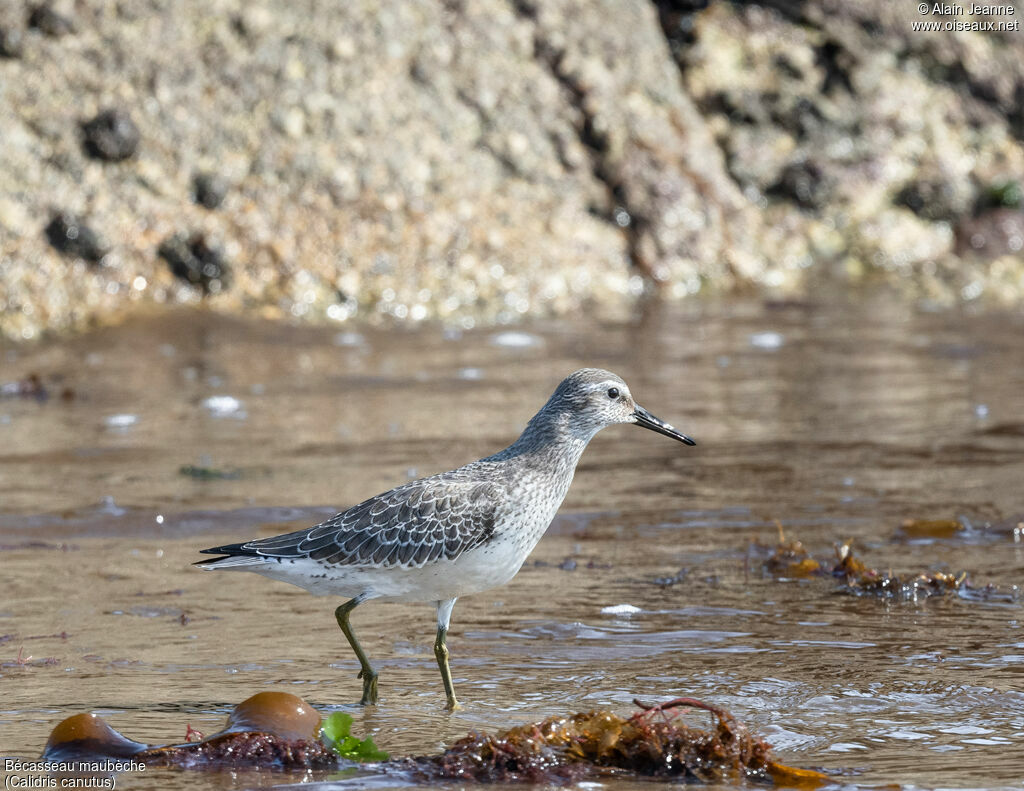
837	420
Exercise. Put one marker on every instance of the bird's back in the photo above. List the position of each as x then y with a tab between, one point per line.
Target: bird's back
420	522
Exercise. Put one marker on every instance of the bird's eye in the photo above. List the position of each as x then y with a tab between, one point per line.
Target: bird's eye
613	393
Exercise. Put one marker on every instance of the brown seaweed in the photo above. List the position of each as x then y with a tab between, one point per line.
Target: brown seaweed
655	742
279	730
791	560
244	748
930	528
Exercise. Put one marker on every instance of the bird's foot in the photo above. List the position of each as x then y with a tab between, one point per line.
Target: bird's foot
369	677
453	705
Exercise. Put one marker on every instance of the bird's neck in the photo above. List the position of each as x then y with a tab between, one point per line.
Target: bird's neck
553	438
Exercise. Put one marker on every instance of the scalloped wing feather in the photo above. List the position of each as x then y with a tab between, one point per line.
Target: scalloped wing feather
418	523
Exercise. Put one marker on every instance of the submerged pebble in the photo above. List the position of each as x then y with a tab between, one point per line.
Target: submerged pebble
767	340
108	506
111	135
120	421
620	609
224	406
205	473
349	339
29	387
515	340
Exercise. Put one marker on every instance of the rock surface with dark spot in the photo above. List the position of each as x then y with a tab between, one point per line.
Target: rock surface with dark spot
475	162
802	183
195	260
1001	194
995	233
12	42
209	189
896	131
935	199
72	237
111	136
45	19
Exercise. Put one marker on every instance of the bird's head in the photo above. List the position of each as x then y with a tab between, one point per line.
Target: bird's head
595	398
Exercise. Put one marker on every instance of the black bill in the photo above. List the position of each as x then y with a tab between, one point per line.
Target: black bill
647	420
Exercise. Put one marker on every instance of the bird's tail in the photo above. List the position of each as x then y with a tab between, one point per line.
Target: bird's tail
232	561
237	556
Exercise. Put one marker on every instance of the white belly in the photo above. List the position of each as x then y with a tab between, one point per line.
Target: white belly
480	569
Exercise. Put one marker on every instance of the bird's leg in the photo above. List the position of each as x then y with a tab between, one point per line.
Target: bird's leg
444	614
366	672
441	652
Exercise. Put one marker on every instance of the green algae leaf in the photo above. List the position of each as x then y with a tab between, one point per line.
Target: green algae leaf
336	734
336	727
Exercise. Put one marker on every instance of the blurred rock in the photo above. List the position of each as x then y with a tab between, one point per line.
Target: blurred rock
111	136
992	234
12	42
196	261
475	162
68	234
878	119
804	183
209	189
45	19
1001	194
935	199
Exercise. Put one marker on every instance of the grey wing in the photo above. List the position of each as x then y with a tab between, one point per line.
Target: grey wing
409	526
